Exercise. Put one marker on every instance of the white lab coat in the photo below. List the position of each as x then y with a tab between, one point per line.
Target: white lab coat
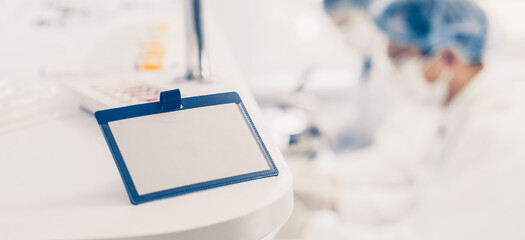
478	187
470	184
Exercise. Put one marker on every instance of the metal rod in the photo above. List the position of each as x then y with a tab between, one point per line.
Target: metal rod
196	59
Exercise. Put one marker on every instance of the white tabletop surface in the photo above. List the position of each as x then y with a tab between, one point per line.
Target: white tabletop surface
58	180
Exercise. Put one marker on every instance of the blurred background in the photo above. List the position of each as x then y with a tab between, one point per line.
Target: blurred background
341	88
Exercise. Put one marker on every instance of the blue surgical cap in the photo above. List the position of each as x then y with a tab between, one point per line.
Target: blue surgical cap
331	6
433	25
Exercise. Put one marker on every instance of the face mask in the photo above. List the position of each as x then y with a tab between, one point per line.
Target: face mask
413	83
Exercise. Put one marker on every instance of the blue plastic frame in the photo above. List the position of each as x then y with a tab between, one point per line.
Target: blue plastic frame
105	116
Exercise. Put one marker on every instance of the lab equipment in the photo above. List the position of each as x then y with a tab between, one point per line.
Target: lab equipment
196	52
110	93
433	25
180	145
156	64
154	56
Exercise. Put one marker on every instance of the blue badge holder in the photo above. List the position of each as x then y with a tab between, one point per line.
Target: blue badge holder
171	101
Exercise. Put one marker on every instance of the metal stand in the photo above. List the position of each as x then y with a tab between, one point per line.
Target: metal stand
197	67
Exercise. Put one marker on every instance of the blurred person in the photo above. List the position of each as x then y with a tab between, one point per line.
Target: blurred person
367	103
437	46
363	172
357	25
465	182
355	21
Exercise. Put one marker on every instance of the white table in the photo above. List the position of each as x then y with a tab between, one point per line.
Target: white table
59	181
